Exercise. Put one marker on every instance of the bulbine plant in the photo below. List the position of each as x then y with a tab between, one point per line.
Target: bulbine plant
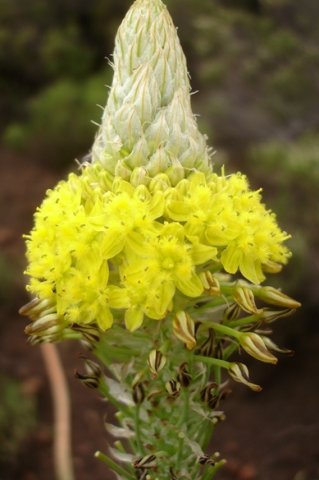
156	263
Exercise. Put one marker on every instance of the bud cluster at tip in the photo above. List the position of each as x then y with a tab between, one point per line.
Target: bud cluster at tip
148	126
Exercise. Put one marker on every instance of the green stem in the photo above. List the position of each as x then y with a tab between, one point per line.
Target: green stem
215	362
225	330
114	466
139	443
210	471
183	420
243	321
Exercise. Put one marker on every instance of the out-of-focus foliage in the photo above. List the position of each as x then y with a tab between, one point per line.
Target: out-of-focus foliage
17	418
256	64
58	127
7	284
290	174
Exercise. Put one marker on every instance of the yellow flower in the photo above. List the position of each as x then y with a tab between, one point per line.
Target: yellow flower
157	241
222	212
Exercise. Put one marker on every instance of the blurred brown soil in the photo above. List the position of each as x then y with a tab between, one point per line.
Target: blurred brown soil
273	435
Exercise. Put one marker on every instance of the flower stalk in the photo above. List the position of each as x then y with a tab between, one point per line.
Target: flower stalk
155	263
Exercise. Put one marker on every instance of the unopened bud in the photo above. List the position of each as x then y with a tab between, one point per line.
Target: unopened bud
274	347
139	177
184	376
173	388
184	329
276	297
42	324
208	346
210	284
239	372
92	367
254	345
270	316
160	183
145	462
88	333
90	381
244	297
209	395
138	393
156	361
209	459
232	312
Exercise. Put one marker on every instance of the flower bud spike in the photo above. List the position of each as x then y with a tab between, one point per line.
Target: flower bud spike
149	102
184	329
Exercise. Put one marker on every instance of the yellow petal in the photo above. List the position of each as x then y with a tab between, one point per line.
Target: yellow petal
112	243
251	269
202	253
105	319
192	287
133	318
118	297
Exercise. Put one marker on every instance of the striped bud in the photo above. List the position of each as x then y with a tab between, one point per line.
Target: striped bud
210	284
156	361
244	297
208	346
173	388
145	462
184	376
254	345
270	316
92	367
232	312
90	381
89	333
240	373
138	393
272	346
276	297
209	395
184	329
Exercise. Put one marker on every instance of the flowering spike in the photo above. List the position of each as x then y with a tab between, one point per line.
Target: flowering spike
148	126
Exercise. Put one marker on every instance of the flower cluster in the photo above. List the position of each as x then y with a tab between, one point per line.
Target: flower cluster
100	244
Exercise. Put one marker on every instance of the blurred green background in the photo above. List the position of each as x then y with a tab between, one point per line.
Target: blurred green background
255	65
